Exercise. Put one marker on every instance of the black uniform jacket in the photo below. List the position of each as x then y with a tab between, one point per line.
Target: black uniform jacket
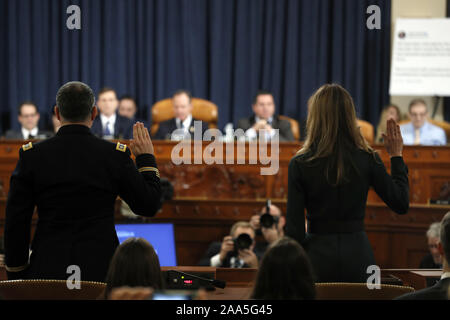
73	179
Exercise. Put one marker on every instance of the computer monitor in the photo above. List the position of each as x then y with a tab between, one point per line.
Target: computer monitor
160	235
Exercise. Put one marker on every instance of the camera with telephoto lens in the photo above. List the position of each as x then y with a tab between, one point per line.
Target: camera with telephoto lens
242	242
267	220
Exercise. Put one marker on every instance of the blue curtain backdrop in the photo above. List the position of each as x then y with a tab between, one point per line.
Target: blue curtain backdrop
221	50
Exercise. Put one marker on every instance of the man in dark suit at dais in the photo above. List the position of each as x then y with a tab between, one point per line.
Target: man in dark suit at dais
182	126
265	120
109	124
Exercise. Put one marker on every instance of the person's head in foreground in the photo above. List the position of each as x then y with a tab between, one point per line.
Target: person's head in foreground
75	103
134	264
332	129
285	273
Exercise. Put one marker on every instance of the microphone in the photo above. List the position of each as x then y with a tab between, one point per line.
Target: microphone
215	283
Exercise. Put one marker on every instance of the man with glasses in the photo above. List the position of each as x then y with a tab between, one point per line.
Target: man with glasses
29	119
419	131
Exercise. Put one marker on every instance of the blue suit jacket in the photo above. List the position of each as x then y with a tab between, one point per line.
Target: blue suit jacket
123	128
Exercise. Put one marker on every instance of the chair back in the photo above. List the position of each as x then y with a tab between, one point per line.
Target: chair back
358	291
294	126
366	130
201	110
49	290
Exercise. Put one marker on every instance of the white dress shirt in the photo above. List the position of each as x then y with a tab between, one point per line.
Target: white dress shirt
186	125
111	121
26	133
234	262
251	133
429	134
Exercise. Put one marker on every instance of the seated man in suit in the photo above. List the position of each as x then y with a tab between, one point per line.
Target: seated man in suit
433	260
225	254
271	229
109	124
128	109
29	119
182	107
264	118
440	291
419	130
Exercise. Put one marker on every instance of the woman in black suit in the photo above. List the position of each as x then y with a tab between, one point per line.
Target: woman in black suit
330	178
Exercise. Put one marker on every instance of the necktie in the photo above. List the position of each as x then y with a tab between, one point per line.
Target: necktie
30	136
417	136
106	132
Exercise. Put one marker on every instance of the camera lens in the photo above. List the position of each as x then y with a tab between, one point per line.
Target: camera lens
266	220
243	241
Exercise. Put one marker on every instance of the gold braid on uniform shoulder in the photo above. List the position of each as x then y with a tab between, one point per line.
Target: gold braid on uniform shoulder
121	147
146	169
27	146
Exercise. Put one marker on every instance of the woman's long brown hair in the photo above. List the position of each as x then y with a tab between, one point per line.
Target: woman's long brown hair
134	264
332	130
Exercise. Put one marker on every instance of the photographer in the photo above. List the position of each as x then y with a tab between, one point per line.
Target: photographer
235	251
270	223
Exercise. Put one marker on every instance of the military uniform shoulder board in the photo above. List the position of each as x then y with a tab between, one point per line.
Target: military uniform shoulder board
121	147
27	146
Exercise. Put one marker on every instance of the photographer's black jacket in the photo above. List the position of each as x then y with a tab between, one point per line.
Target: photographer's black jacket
73	179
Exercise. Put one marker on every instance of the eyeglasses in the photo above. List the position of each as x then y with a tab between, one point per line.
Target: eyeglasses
418	115
28	115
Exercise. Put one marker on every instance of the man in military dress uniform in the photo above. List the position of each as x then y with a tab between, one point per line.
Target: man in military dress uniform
74	179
